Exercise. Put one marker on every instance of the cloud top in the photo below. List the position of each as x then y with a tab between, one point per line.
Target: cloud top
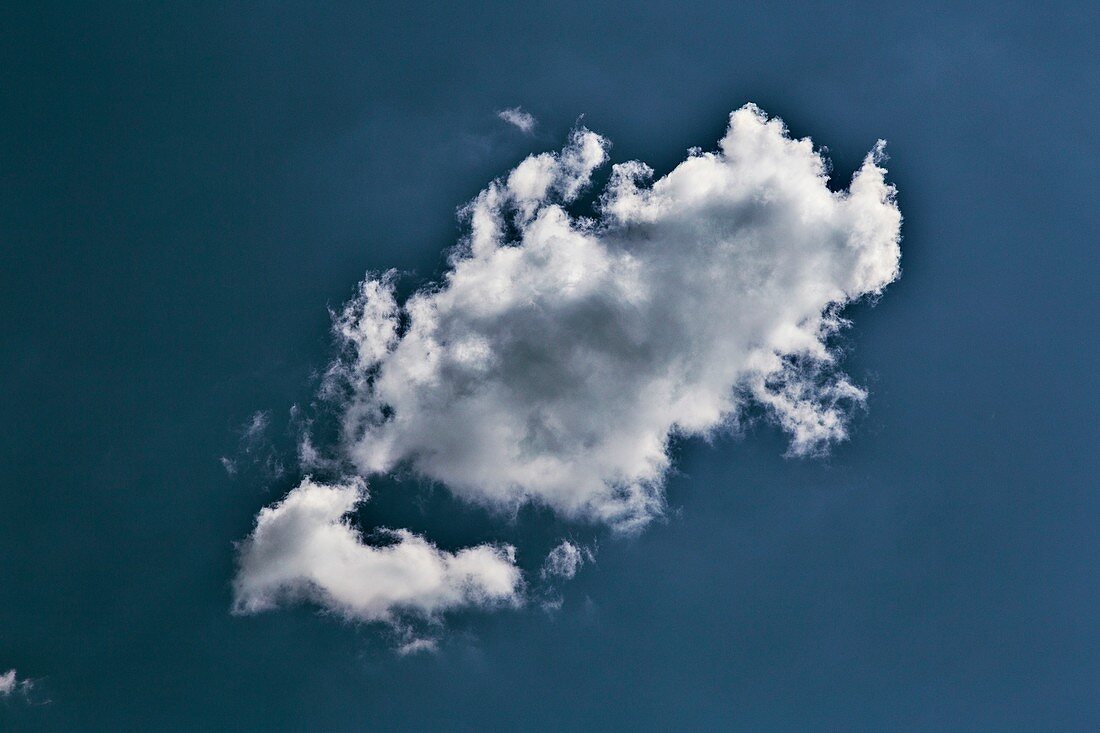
561	353
303	548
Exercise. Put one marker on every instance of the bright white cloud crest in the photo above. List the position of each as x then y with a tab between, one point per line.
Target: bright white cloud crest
560	354
302	548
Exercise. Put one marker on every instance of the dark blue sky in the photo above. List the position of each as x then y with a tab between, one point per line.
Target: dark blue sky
183	194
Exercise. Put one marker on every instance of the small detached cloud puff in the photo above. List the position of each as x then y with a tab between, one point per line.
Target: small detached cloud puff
565	560
519	118
304	549
10	684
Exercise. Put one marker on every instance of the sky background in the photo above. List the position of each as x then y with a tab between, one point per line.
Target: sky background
184	193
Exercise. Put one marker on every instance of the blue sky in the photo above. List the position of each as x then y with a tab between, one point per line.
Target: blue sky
186	196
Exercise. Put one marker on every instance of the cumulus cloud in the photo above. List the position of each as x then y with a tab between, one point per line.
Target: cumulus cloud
565	560
561	353
304	548
10	684
518	117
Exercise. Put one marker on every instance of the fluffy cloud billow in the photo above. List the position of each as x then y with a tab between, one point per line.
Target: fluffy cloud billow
560	353
303	548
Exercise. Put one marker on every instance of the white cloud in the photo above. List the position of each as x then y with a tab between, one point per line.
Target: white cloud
565	560
560	354
256	427
417	645
10	684
519	117
303	549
